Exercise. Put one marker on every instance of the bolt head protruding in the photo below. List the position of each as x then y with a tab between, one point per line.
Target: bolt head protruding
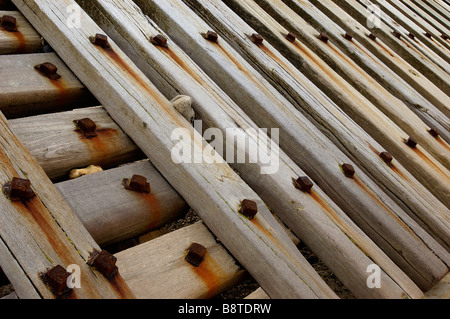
349	170
304	184
196	254
257	38
411	142
56	279
105	263
8	23
248	208
387	158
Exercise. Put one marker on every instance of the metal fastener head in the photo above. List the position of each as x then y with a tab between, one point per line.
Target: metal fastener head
105	263
323	37
397	34
387	158
257	38
248	208
159	40
8	23
212	36
411	35
411	142
19	189
138	184
349	170
196	254
445	37
304	184
49	70
434	133
101	40
88	127
291	37
372	36
56	279
348	36
428	35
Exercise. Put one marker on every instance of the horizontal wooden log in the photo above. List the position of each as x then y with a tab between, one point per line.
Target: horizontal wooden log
306	146
213	191
25	92
158	269
111	213
58	145
173	71
25	40
42	232
395	62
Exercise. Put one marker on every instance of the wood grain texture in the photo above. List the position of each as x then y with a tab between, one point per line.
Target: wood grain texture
25	40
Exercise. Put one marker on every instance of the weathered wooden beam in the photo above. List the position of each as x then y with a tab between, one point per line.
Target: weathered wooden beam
24	40
172	71
427	65
441	290
357	144
41	232
59	146
215	192
158	269
24	91
395	62
310	149
432	8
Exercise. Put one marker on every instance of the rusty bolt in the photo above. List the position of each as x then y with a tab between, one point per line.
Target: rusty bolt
9	23
411	35
372	36
323	37
101	40
445	37
349	170
196	254
49	70
348	36
291	37
159	40
434	133
397	34
105	263
212	36
19	189
428	35
248	208
138	184
88	127
304	184
411	142
387	158
257	38
56	279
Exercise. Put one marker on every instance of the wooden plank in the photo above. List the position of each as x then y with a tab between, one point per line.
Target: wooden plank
427	65
25	40
393	61
258	294
158	269
28	93
111	213
358	145
213	191
43	232
268	108
171	65
441	290
58	146
429	16
432	8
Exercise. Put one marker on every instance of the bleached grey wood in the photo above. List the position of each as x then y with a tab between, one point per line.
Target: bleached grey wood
25	40
325	230
25	92
306	146
432	8
429	16
213	191
58	147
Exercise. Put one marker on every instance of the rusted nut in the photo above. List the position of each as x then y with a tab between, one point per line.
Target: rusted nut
397	34
291	37
372	36
9	23
323	37
444	36
19	189
100	40
257	39
433	132
304	184
49	70
411	35
248	208
349	170
428	35
212	36
138	184
87	127
411	142
159	40
386	157
348	36
105	263
56	279
196	254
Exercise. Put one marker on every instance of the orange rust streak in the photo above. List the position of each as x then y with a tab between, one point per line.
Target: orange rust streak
121	288
443	143
209	272
182	64
101	146
154	207
430	162
21	42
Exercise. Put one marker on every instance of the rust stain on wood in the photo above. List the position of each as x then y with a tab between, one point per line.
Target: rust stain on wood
121	288
102	145
20	39
210	273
